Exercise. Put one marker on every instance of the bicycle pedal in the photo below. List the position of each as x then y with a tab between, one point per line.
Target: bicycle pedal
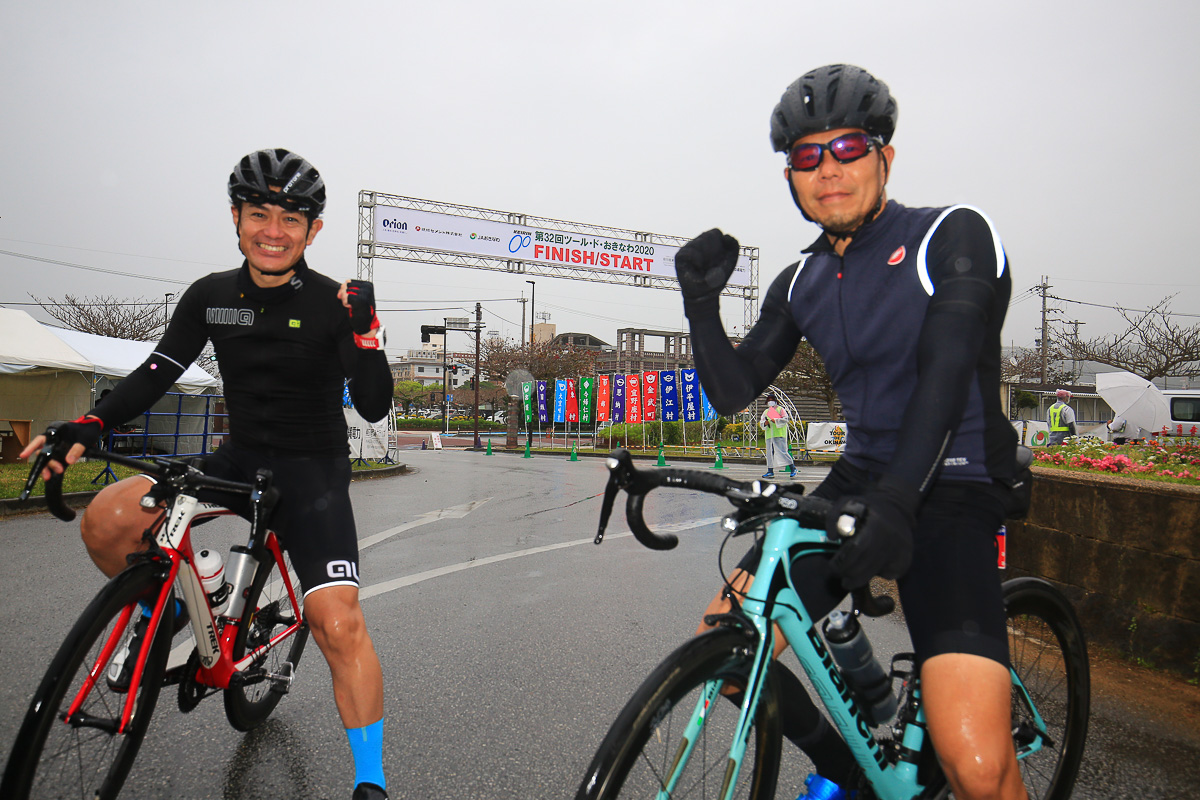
281	682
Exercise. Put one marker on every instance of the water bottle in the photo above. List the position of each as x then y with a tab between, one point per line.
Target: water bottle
210	568
818	788
852	651
239	573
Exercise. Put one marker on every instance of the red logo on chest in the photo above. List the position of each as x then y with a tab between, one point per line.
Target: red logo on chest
897	256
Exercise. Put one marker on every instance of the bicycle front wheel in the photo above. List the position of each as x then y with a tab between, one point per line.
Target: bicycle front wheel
647	750
82	754
269	612
1048	654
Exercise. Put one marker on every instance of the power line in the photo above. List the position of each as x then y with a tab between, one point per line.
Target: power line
92	269
1119	308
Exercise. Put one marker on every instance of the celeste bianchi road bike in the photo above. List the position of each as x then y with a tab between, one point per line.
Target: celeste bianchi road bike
88	716
678	737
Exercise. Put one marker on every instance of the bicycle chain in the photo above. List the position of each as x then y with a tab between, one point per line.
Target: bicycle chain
191	691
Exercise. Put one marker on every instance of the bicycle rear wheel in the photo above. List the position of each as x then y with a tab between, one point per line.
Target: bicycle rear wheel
1048	653
645	744
87	757
268	613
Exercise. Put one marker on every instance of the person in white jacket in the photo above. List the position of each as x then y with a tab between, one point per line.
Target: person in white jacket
774	422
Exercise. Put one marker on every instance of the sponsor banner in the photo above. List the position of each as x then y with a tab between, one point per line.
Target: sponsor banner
587	387
527	402
603	397
543	413
560	400
1033	432
709	411
367	439
669	400
690	391
572	401
428	230
649	396
827	437
633	398
618	399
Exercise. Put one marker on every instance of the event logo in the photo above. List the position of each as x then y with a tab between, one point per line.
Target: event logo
395	225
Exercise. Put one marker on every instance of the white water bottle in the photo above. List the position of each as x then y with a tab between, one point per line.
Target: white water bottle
210	568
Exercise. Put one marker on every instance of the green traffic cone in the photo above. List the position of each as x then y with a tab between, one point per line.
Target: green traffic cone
489	450
527	454
574	455
720	462
662	459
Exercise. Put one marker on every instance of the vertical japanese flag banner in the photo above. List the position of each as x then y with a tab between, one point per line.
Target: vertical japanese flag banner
572	402
587	387
543	412
690	388
603	397
669	396
618	401
650	396
633	398
709	411
560	400
527	401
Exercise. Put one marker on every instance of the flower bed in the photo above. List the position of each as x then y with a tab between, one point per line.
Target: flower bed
1174	463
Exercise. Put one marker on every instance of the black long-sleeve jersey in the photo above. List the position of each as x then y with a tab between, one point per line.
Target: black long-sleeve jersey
908	322
284	353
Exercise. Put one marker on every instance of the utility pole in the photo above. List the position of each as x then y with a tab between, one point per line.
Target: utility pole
523	301
1044	287
478	325
1075	339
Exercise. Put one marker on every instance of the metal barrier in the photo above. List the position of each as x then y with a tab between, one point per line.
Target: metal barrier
140	442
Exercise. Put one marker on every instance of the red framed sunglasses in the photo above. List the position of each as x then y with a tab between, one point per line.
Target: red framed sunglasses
846	148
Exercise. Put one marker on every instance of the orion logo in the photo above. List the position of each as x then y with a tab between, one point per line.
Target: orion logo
394	225
229	316
342	569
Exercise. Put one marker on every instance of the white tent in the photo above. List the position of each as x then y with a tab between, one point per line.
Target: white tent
48	374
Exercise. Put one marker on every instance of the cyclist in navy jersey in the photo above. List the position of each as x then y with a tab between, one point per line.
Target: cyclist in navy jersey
905	306
286	338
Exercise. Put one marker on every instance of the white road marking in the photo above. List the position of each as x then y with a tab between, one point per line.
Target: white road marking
454	512
409	580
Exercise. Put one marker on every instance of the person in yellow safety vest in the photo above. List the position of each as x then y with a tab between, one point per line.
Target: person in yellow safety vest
1061	418
774	422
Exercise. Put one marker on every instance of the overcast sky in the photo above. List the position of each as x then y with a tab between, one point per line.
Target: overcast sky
1066	122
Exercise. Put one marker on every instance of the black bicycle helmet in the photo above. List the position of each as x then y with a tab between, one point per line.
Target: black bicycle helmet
300	185
836	96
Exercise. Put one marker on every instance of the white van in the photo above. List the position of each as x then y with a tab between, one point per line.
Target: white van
1185	411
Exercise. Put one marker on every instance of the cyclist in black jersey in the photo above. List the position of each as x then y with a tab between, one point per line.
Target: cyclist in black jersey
905	306
285	338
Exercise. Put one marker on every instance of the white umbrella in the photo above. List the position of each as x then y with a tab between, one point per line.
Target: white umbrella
1136	399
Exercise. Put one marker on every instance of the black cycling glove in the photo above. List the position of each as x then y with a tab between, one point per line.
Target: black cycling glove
882	540
361	297
87	431
703	265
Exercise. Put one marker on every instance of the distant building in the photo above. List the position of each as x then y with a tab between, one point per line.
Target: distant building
425	367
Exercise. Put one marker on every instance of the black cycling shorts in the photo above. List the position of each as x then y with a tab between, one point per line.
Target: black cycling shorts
313	517
951	594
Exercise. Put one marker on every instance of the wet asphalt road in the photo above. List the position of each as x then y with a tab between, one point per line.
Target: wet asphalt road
509	643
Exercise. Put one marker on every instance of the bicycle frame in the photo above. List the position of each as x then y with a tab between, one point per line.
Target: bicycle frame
217	667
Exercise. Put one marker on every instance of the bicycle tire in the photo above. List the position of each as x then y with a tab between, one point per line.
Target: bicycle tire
59	760
1048	651
268	610
639	747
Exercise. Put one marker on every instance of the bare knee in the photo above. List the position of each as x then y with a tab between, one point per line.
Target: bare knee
335	619
114	523
977	777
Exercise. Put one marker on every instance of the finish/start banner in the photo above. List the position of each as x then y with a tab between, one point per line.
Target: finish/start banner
428	230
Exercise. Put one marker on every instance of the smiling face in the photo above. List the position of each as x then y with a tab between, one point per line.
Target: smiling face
839	197
273	239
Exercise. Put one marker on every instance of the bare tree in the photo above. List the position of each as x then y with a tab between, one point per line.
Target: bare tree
546	361
1025	366
137	319
805	376
1153	346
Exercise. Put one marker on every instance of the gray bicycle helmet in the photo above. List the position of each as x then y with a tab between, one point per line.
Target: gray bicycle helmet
300	185
831	97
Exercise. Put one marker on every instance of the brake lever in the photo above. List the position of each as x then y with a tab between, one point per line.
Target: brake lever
610	496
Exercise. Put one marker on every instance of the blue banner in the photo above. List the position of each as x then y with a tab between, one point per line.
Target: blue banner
709	411
690	402
618	400
669	396
560	400
542	414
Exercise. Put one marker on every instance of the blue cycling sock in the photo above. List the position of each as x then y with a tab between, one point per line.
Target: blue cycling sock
367	746
148	611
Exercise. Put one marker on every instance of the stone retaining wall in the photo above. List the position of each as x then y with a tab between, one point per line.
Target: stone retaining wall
1127	553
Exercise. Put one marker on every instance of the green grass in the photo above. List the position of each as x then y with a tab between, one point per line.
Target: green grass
79	477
